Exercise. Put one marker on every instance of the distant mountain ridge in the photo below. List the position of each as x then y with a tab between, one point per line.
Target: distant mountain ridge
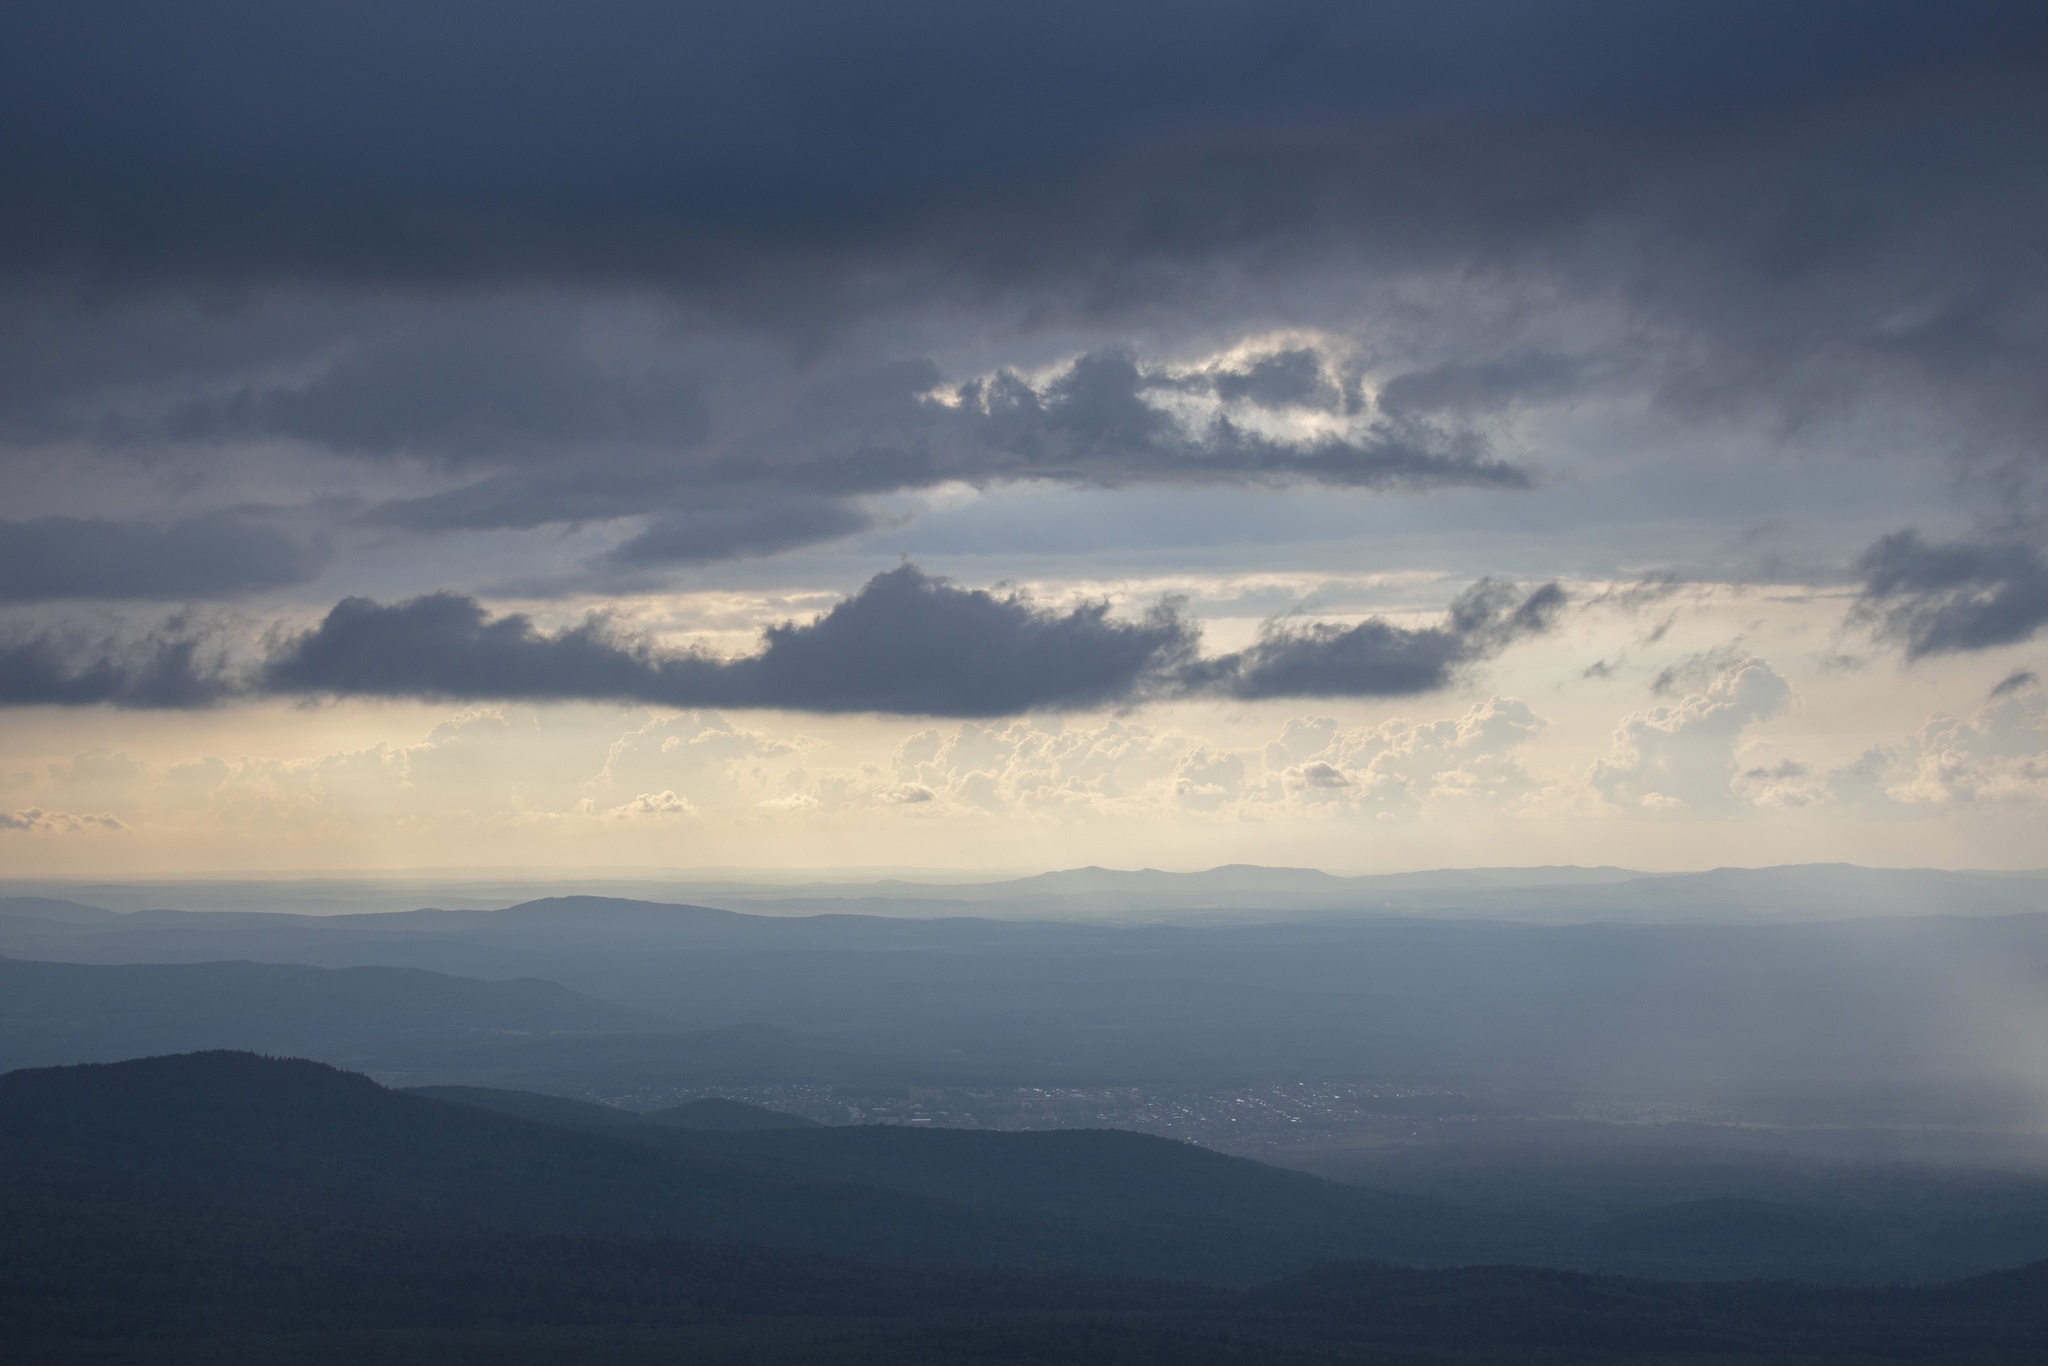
1251	877
1550	894
710	1112
50	908
70	1012
1804	1000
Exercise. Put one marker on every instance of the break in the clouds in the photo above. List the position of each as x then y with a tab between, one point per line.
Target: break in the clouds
1683	756
535	446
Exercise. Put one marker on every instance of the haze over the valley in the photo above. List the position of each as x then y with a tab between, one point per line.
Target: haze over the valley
1024	682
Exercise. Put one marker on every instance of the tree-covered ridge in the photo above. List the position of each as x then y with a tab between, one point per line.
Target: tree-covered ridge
226	1206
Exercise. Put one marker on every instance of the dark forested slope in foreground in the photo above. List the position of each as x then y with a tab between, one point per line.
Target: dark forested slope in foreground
231	1128
224	1207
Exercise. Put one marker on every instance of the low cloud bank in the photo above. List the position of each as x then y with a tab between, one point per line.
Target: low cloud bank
47	669
1379	659
907	643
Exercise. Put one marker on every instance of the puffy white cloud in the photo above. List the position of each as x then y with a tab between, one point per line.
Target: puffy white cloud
97	765
701	758
1406	766
1786	783
1207	780
1044	767
1403	766
484	764
663	803
1682	757
1997	754
1312	766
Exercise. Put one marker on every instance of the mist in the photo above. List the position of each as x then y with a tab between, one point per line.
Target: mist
1298	683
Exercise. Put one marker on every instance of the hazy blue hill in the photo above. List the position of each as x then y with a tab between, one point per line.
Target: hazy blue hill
1636	1200
1155	1189
238	1129
1165	1190
1234	877
558	1111
1873	1021
33	923
733	1116
1299	886
50	908
617	1063
1729	1236
600	914
233	1127
708	1113
67	1012
1795	892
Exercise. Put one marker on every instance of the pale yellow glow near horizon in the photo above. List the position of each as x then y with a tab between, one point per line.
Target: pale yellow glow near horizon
1529	763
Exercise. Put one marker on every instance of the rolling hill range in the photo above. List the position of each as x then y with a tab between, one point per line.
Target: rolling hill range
220	1206
233	1127
1239	893
1864	1019
1690	1215
67	1012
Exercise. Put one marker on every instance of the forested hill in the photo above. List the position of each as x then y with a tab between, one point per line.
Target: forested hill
223	1206
234	1127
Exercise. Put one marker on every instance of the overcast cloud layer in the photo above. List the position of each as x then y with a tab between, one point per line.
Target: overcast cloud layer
927	359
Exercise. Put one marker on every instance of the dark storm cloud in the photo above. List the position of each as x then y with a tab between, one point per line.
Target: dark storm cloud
1959	596
2017	681
1772	209
1094	423
47	669
906	643
220	556
505	390
1786	196
910	643
486	138
1377	658
1479	386
1100	421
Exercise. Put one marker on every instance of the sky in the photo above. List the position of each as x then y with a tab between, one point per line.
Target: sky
1021	435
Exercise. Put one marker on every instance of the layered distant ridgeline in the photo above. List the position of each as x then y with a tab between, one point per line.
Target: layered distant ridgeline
1813	990
221	1206
1831	1039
